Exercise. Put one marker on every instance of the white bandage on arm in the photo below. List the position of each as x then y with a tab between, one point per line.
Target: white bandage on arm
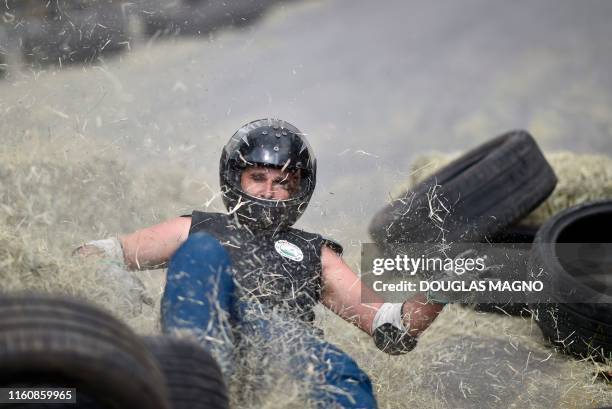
111	247
389	313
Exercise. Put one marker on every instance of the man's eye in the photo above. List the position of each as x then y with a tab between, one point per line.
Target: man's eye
257	177
282	182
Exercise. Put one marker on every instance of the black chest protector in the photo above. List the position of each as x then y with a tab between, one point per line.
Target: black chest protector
278	268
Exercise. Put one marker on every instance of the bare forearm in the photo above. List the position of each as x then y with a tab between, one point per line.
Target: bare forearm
418	315
344	294
138	255
361	315
152	247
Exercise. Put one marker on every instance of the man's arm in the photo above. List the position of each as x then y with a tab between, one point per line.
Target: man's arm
149	247
342	293
153	246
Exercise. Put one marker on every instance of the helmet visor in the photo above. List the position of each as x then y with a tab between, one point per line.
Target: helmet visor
270	183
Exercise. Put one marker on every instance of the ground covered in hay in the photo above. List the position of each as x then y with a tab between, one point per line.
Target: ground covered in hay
57	194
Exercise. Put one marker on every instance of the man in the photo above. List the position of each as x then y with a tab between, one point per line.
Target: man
223	267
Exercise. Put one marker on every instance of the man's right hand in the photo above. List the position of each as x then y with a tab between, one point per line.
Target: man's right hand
88	250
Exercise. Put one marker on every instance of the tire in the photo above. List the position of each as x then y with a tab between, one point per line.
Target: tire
197	18
58	342
3	66
516	309
193	378
477	196
3	53
78	35
579	328
517	233
247	12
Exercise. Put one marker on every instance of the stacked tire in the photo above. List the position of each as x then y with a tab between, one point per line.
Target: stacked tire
64	32
198	17
3	53
478	196
49	342
54	342
574	250
481	197
193	378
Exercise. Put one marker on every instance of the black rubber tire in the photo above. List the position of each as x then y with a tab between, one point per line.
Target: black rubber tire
3	63
578	328
517	233
247	12
78	35
196	19
485	191
515	309
59	342
5	51
193	378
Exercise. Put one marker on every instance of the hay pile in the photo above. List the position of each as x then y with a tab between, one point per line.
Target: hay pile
55	195
468	359
258	364
581	178
59	192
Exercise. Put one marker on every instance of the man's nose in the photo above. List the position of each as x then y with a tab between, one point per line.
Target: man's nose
268	191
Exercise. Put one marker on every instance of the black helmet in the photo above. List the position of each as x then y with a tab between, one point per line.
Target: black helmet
270	143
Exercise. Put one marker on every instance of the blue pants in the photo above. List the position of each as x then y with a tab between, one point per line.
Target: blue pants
200	295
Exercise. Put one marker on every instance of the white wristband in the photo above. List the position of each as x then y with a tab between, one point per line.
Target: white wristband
389	313
111	247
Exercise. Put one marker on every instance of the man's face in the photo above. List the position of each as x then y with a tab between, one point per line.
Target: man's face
269	183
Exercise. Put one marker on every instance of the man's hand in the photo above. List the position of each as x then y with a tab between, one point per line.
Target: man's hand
418	314
110	249
397	326
87	250
110	265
